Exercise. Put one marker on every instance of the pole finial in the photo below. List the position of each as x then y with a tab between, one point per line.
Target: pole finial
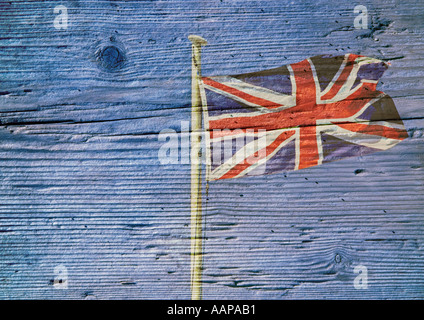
197	40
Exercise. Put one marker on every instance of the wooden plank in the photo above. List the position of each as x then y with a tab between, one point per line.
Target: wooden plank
82	185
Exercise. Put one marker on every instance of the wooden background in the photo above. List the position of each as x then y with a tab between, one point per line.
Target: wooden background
81	183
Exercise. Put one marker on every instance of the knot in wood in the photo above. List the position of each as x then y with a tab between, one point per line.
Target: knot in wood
111	58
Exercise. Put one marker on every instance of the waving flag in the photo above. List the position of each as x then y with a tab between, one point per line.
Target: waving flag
319	110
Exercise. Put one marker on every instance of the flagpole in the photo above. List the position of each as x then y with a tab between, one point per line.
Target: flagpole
196	170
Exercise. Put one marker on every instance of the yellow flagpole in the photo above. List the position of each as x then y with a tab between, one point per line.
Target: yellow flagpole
196	170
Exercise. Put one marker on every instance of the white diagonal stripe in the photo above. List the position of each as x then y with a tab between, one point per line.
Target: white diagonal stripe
248	150
356	118
339	72
351	118
367	140
346	89
278	98
264	160
317	86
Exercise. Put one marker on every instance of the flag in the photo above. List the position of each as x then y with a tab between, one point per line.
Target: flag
319	110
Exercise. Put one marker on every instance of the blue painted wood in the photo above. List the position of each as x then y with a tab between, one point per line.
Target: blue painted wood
81	183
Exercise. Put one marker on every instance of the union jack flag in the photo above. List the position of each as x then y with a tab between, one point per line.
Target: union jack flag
319	110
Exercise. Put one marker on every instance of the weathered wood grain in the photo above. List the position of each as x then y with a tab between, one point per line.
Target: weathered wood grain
81	183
